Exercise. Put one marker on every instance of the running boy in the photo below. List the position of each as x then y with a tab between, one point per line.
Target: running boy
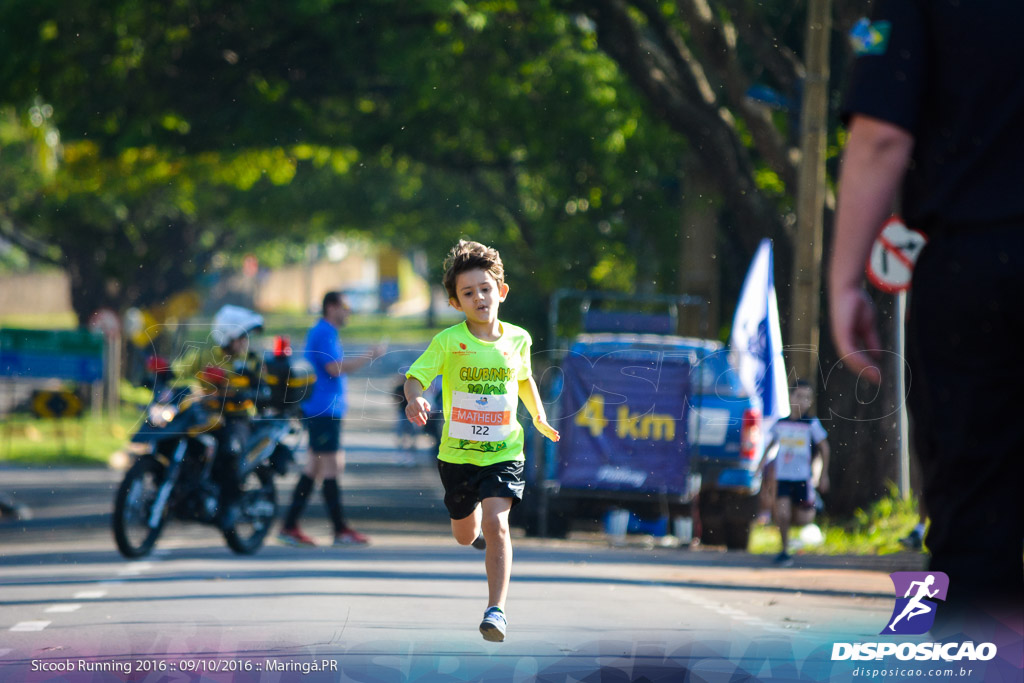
485	369
800	437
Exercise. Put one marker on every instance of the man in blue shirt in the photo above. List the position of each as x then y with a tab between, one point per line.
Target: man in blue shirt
323	413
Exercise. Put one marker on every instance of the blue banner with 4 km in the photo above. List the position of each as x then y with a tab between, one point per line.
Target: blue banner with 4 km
624	423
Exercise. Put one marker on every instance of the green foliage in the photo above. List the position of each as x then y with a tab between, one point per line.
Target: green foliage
204	126
872	531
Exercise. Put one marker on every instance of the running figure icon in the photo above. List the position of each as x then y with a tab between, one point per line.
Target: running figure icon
915	607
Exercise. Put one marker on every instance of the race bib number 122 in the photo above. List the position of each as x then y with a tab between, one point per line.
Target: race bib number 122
480	418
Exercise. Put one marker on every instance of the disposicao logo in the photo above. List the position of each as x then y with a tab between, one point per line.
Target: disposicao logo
914	612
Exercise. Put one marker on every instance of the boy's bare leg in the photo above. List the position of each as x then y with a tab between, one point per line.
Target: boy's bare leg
467	529
498	559
783	515
803	516
766	497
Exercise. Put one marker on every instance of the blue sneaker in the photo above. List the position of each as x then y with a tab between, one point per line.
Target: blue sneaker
493	626
783	559
913	540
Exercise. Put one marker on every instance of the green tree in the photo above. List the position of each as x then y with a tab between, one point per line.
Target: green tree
442	121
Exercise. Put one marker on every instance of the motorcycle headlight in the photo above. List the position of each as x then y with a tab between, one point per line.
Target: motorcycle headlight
160	414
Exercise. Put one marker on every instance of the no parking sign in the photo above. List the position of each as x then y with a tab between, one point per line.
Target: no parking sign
891	264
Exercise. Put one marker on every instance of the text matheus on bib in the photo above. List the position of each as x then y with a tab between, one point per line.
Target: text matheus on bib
481	392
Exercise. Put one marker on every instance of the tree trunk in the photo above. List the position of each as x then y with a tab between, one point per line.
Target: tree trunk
862	420
699	263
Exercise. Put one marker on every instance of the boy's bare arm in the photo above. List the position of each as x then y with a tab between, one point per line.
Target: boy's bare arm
770	451
418	408
823	453
530	396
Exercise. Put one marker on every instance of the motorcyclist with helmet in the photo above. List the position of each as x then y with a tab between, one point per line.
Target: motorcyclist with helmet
227	386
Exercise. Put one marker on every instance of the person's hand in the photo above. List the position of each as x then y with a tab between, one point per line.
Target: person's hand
541	423
378	350
823	483
418	411
855	331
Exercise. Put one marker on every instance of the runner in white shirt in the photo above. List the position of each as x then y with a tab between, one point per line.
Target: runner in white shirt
800	437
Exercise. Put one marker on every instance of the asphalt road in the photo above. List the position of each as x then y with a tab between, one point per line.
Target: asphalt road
407	607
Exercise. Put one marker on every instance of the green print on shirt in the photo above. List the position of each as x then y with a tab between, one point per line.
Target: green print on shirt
471	374
486	389
481	446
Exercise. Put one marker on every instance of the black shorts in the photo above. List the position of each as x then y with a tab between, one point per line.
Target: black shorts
324	434
797	491
466	485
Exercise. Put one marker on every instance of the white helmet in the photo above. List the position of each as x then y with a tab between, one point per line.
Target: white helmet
232	322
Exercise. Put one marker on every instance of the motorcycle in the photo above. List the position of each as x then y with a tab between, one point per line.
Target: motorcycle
172	476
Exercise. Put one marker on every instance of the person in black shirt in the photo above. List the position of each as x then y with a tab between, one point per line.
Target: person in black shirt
935	111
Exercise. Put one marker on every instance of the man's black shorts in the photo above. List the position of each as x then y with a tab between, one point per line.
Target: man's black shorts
797	491
466	485
324	434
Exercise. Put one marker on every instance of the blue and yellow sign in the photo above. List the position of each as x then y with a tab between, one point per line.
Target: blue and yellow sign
54	404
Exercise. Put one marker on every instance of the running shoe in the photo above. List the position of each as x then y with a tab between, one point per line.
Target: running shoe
479	543
493	626
349	536
783	559
294	537
912	541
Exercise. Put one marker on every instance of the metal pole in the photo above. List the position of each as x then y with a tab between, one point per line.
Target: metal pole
804	321
901	395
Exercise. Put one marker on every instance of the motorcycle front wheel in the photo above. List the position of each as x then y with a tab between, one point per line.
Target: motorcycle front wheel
257	509
133	506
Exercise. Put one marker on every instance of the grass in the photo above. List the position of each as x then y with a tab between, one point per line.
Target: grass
26	440
874	531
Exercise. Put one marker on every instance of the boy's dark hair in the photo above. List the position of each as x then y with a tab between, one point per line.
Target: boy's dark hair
470	256
331	299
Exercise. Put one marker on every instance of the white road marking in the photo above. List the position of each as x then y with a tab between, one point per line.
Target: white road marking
63	608
724	610
729	611
30	626
89	595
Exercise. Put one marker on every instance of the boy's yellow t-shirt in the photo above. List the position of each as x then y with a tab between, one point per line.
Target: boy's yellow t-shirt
481	392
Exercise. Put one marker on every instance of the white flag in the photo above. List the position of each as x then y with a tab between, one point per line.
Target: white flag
756	340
